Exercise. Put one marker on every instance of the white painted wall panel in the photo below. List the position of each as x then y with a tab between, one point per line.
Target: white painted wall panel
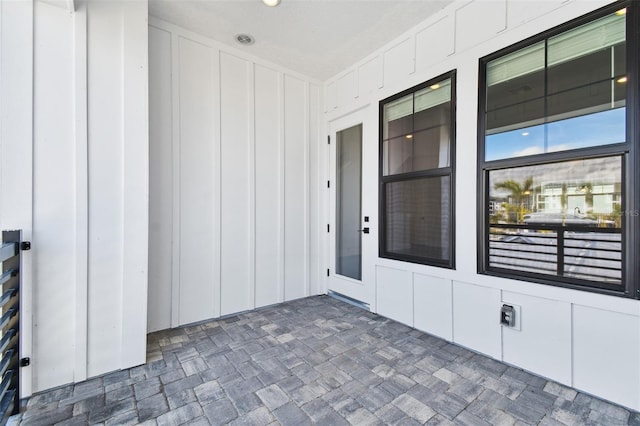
433	305
16	154
370	76
54	212
394	294
476	314
331	97
106	182
240	171
479	21
432	44
235	74
160	180
519	11
543	343
347	88
197	96
399	62
606	350
296	238
268	194
90	190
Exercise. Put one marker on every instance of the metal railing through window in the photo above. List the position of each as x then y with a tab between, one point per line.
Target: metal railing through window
572	251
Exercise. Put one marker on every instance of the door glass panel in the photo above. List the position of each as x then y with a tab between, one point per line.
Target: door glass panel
348	202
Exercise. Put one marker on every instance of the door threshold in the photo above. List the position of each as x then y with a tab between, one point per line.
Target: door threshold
349	300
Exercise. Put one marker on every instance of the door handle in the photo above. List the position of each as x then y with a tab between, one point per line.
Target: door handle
364	230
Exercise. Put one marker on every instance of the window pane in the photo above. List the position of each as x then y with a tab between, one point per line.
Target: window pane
516	116
578	101
431	148
586	39
570	74
515	143
397	155
432	96
417	218
421	140
439	115
516	65
398	117
601	128
558	219
348	204
566	193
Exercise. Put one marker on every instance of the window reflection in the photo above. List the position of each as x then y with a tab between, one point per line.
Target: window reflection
602	128
580	192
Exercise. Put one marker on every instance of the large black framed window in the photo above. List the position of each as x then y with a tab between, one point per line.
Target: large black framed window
557	155
417	151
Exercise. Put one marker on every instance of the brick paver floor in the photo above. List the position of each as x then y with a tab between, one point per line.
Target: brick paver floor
316	360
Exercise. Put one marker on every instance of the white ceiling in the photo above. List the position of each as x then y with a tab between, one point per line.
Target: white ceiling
317	38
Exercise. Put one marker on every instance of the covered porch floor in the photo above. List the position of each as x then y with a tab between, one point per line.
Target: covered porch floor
316	360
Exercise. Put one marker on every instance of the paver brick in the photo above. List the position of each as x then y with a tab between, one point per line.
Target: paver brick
220	412
152	407
272	396
180	415
291	415
111	410
181	398
50	417
414	408
119	394
362	416
147	388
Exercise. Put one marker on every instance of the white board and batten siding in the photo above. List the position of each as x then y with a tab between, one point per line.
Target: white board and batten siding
85	279
580	339
235	191
16	151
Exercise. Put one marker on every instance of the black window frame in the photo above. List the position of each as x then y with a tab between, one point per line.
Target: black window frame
629	151
430	173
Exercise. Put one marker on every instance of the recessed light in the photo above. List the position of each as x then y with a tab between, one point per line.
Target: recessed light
409	136
525	133
434	87
271	3
621	12
622	80
245	39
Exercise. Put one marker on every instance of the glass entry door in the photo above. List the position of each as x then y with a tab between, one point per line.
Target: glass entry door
349	202
353	206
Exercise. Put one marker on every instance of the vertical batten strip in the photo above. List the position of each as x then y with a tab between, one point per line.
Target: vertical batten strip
135	140
82	192
412	40
307	138
251	103
281	205
175	141
217	205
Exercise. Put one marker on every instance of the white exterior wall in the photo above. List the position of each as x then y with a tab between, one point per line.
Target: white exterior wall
581	339
234	180
16	150
85	279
